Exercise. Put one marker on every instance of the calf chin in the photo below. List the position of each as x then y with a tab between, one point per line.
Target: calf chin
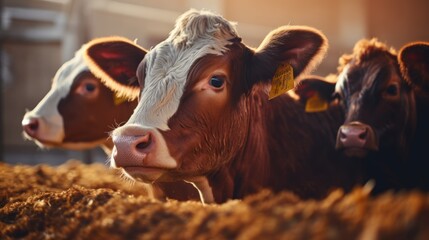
355	152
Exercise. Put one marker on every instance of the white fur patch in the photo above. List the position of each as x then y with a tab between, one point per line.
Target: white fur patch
195	35
51	125
342	78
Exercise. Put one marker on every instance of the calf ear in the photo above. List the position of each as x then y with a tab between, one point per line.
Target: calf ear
414	62
115	60
309	85
303	48
316	92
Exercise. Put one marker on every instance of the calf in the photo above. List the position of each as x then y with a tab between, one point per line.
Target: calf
81	109
382	124
204	114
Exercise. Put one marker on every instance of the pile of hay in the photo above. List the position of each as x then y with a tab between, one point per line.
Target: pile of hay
77	201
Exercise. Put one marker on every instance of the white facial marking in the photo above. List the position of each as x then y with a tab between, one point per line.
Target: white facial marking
168	64
51	123
342	78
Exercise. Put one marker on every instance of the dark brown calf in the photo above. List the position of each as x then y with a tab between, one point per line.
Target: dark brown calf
204	114
383	128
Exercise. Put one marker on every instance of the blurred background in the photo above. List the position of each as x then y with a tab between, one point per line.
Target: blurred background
38	36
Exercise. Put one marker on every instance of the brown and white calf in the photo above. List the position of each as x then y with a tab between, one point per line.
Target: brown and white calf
204	114
80	110
383	128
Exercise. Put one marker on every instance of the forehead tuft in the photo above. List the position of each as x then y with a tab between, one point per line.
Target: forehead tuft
196	34
364	50
194	25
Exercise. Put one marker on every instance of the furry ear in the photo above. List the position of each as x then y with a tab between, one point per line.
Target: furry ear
414	62
309	85
316	92
299	46
115	60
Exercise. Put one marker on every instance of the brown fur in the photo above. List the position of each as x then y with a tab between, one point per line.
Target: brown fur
97	116
364	50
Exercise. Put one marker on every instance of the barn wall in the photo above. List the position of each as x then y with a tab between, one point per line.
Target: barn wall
406	21
329	16
32	67
36	38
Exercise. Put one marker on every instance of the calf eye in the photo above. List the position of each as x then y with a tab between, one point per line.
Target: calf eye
216	81
392	90
89	87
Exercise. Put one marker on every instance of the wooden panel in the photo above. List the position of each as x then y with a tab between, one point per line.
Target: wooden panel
32	67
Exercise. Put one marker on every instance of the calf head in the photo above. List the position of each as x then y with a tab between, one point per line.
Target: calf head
80	108
194	110
379	104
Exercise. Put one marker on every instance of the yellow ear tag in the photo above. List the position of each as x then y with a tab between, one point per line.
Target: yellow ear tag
316	104
282	81
118	100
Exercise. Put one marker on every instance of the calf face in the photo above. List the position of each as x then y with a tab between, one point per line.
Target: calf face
79	110
379	104
380	123
204	114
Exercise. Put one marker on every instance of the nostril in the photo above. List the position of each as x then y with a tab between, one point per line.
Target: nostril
31	125
144	142
131	147
34	125
363	134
